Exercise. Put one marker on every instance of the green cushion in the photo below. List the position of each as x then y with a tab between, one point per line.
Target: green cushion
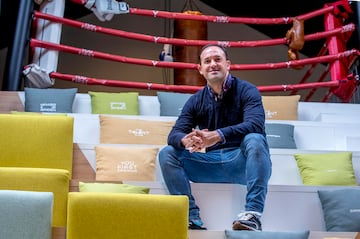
280	135
326	168
49	100
112	188
229	234
114	103
25	214
171	103
341	209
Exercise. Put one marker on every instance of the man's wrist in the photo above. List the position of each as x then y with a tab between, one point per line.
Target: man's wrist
223	140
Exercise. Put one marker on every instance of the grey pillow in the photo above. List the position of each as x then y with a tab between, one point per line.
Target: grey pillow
341	209
280	135
171	103
230	234
49	100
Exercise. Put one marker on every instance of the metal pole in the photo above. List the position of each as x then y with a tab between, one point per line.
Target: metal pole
16	50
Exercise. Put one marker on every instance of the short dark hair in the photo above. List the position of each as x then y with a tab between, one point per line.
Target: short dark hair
214	44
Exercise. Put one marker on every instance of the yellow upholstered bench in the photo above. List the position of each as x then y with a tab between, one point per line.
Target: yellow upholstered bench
94	215
36	141
41	180
36	155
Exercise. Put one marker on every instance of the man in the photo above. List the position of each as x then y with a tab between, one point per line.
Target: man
219	137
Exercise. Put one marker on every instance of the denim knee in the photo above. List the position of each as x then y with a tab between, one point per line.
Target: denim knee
254	141
168	154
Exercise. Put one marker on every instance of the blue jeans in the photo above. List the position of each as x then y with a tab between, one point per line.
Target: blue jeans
249	165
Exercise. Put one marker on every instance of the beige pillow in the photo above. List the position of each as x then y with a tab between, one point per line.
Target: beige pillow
125	163
281	107
114	130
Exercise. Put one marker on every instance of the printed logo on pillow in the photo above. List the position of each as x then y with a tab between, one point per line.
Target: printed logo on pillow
118	105
127	166
354	210
269	114
138	132
273	135
48	107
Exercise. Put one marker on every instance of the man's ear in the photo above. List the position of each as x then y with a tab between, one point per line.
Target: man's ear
228	64
199	68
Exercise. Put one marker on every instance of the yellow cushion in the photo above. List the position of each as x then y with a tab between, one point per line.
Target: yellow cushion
37	141
281	107
125	163
41	180
123	215
35	113
116	130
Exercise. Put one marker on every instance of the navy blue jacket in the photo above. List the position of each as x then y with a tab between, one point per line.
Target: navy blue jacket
239	112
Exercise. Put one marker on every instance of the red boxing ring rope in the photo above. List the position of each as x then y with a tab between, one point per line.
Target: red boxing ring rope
333	31
179	88
188	42
226	19
183	65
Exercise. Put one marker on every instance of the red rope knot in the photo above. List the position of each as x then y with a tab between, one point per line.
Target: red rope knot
80	79
348	28
86	52
224	43
89	27
156	39
155	13
286	20
149	86
221	19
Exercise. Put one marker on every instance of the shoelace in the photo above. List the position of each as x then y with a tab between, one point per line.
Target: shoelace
245	216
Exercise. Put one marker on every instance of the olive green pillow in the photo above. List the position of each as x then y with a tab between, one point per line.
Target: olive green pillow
126	103
326	168
112	188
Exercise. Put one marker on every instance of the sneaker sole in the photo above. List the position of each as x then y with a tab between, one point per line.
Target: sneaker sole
237	226
195	227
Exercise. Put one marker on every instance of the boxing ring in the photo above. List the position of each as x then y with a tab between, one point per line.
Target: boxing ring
339	61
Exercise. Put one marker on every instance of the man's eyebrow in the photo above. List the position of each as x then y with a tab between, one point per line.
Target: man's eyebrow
214	56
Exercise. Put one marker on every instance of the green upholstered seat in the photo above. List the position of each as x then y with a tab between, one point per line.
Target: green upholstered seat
25	214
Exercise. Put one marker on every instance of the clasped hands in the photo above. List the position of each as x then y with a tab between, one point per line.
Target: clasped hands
199	140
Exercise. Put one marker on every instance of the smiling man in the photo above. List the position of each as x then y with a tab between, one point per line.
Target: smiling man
219	137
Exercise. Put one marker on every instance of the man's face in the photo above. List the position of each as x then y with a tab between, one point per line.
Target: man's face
213	64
